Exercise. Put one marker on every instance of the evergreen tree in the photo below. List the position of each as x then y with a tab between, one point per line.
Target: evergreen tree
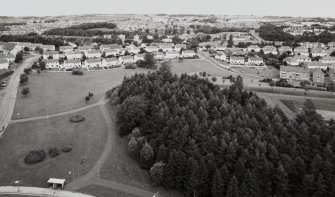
218	187
233	190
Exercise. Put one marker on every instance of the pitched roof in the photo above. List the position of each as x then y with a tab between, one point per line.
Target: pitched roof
71	61
51	61
295	69
2	61
93	60
112	59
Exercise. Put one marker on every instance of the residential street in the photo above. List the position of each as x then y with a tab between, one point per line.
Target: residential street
7	103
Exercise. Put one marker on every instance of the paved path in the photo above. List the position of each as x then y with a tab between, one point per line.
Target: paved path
36	191
101	102
8	102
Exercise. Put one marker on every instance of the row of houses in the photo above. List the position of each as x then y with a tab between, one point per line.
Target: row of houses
5	60
323	63
112	61
236	60
317	76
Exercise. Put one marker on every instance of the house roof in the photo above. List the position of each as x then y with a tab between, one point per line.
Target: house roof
236	58
172	52
56	181
65	47
93	52
93	60
188	51
255	59
128	57
72	53
112	59
72	61
269	48
2	61
295	69
316	64
51	61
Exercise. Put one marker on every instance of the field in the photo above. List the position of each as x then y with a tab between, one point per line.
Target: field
54	92
98	191
86	138
268	72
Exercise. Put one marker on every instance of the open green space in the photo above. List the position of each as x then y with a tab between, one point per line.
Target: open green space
87	139
54	92
266	72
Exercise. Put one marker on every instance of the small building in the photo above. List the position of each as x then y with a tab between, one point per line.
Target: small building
188	54
70	64
255	48
166	47
159	56
122	51
291	61
110	52
255	61
237	60
109	62
51	63
93	54
93	63
172	54
105	47
84	48
4	64
127	59
139	57
73	55
48	47
318	77
65	48
56	182
221	56
270	49
318	52
302	58
328	60
294	73
301	51
151	49
51	54
285	49
179	47
10	57
317	65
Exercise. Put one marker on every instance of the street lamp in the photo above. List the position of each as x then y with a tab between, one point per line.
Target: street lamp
72	172
18	185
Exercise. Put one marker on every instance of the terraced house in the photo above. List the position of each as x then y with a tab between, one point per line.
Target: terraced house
4	64
73	55
237	60
65	48
51	54
51	64
93	63
92	54
70	64
255	61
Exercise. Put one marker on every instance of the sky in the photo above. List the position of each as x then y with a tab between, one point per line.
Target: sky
305	8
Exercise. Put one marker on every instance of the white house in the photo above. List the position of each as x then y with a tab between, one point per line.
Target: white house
51	63
10	58
284	49
65	48
4	64
237	60
107	62
291	61
179	47
188	54
270	49
139	57
318	52
48	47
52	54
84	48
126	59
122	51
111	52
134	49
73	55
221	47
328	60
151	49
93	54
105	47
318	65
172	54
302	51
302	58
257	61
69	64
159	56
166	47
255	48
93	63
221	56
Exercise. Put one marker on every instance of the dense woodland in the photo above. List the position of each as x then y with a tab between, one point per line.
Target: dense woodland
271	32
213	30
206	141
33	38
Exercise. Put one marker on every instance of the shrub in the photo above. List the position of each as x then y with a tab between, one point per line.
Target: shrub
77	71
35	156
66	149
76	118
53	152
214	79
130	66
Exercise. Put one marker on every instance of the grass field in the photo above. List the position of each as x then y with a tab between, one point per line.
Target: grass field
54	92
100	191
267	72
86	138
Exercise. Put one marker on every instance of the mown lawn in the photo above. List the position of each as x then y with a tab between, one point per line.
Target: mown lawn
100	191
87	139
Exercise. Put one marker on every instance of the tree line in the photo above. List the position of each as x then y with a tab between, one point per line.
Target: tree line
205	141
33	38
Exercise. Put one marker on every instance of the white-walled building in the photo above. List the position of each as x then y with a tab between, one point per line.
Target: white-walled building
92	54
179	47
159	56
84	48
166	47
255	48
316	65
139	57
127	59
284	49
319	52
69	64
237	60
328	60
51	63
122	51
221	56
10	58
111	52
4	64
113	61
188	54
52	54
270	49
302	58
48	47
73	55
291	61
151	49
302	51
93	63
65	48
105	47
172	55
257	61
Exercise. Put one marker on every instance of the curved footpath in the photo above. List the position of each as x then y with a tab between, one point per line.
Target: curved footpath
36	191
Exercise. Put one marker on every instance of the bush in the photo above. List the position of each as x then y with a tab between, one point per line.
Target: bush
214	79
76	118
66	149
53	152
130	66
35	156
77	71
